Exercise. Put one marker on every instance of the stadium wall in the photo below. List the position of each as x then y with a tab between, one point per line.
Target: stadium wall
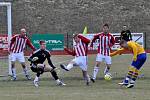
71	16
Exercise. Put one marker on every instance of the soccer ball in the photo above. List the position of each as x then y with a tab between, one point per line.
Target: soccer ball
108	77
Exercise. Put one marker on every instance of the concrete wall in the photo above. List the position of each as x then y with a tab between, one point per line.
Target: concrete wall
70	16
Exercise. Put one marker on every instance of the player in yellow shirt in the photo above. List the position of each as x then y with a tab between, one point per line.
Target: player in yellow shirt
139	58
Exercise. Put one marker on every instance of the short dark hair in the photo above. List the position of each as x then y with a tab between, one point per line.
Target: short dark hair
106	25
42	42
122	41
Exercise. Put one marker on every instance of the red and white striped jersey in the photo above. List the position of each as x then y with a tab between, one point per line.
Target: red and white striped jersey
106	41
18	44
80	48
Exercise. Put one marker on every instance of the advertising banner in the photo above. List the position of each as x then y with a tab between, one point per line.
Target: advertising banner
137	37
53	41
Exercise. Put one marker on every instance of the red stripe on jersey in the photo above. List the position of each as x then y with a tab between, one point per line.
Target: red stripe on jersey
105	45
81	49
19	44
101	47
82	52
16	45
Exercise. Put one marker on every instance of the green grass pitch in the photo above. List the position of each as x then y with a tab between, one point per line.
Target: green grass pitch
76	88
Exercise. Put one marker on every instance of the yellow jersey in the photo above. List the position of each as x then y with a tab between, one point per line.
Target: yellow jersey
133	47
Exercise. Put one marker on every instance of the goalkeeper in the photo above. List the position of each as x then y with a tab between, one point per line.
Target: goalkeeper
37	64
139	58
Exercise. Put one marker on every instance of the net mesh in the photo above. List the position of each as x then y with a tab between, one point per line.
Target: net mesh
3	42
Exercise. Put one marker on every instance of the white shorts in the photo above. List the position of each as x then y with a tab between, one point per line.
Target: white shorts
101	58
17	56
81	61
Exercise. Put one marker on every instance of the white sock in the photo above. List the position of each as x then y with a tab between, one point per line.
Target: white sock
36	78
14	72
58	81
95	71
69	66
132	81
25	71
127	78
106	70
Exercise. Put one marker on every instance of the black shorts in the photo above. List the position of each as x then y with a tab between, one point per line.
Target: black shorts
35	69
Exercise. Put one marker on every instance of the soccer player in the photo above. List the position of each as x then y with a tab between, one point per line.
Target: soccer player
139	58
16	48
106	41
37	60
80	49
125	34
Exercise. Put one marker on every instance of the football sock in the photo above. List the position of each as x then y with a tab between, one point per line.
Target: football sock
14	72
88	78
128	77
58	81
106	70
69	66
134	77
95	71
54	74
25	71
36	78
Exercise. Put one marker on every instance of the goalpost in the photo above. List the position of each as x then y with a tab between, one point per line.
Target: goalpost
9	29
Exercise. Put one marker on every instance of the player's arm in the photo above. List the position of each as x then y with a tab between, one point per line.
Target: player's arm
84	39
13	39
93	40
48	55
30	45
33	57
134	50
119	51
71	52
130	35
112	41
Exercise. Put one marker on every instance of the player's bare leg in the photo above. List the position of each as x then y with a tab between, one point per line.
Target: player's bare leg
25	70
13	70
86	77
53	72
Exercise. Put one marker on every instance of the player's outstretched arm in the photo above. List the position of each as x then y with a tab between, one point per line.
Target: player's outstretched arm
30	45
84	39
71	52
119	51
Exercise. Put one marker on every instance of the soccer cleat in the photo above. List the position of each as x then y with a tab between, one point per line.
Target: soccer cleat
93	80
61	83
63	67
123	83
131	85
87	83
36	83
28	77
14	79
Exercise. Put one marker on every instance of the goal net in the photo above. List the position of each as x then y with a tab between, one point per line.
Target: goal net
5	36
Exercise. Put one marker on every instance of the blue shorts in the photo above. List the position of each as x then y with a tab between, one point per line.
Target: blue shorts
141	58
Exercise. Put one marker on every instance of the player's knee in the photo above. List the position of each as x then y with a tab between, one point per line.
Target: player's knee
40	65
97	64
